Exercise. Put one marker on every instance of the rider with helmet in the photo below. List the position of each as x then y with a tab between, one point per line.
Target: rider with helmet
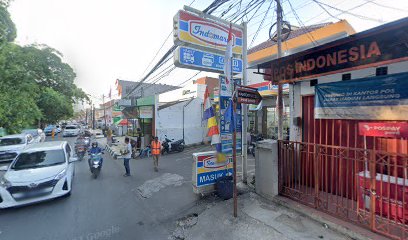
95	150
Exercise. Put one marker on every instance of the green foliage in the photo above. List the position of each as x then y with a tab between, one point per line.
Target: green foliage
7	28
35	84
54	106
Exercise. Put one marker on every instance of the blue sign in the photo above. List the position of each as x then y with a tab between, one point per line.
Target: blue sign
197	59
225	135
374	98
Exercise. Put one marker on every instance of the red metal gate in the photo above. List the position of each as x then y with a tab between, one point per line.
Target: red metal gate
368	187
334	171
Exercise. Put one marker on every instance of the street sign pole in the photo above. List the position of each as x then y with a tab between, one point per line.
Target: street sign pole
280	91
234	144
244	107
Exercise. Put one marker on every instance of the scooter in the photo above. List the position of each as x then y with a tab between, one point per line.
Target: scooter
81	152
95	163
170	146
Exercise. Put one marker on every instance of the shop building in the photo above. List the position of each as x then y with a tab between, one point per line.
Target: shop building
347	152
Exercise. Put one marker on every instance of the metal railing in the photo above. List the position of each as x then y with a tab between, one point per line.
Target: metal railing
365	186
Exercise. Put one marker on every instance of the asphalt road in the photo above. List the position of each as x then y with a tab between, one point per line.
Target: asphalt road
110	207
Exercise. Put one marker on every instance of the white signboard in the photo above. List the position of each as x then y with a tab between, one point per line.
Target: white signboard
146	112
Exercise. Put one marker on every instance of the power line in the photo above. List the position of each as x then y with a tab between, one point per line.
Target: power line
260	26
385	6
308	34
189	79
321	6
349	13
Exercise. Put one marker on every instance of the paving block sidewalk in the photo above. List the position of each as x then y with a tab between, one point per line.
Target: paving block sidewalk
257	219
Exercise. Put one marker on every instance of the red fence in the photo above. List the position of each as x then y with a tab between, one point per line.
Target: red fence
366	186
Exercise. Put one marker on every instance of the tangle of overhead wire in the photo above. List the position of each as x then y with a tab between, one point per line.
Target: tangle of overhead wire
308	34
260	26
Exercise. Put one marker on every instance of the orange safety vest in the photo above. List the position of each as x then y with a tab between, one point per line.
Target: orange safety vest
156	147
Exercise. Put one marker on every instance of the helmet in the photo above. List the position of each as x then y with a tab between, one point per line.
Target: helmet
94	144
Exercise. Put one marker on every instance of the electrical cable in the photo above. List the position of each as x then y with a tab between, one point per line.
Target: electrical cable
260	26
347	12
321	6
310	36
385	6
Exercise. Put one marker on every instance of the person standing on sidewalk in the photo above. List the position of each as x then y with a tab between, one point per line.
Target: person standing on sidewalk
127	156
156	146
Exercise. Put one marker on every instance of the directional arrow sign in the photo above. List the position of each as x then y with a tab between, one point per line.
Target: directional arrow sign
248	95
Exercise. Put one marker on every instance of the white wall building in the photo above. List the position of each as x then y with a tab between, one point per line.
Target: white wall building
179	114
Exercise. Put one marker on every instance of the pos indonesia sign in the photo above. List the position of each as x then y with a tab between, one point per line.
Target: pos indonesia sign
374	98
192	29
383	129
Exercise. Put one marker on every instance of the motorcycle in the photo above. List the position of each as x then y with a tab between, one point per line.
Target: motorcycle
95	163
170	146
81	152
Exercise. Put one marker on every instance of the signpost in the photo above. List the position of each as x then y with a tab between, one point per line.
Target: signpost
191	58
248	95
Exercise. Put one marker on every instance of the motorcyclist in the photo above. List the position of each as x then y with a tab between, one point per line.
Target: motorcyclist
95	150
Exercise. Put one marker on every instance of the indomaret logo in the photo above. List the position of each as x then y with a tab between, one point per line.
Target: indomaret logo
209	33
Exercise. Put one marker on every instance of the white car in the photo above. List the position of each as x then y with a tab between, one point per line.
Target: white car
40	172
71	130
11	145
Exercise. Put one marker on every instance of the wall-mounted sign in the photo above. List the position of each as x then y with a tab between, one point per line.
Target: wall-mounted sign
208	169
186	57
124	102
383	129
146	112
373	98
192	29
386	43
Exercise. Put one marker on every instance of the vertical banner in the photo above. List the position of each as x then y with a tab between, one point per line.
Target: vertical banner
225	134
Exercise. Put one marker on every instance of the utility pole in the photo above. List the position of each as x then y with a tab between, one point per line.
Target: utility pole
104	109
279	55
93	117
244	108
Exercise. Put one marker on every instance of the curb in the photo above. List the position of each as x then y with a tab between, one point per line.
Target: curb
346	228
111	152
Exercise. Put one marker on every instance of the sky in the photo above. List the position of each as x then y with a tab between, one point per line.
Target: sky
104	40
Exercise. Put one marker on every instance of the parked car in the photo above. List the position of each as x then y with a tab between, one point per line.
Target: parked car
40	172
11	145
37	134
48	130
71	130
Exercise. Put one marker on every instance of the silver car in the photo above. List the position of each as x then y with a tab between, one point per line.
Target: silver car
11	145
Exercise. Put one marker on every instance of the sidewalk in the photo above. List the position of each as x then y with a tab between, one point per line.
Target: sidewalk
256	219
114	150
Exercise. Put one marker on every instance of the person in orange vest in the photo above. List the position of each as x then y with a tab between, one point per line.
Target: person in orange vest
156	147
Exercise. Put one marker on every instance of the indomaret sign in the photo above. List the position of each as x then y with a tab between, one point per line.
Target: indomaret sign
192	29
385	44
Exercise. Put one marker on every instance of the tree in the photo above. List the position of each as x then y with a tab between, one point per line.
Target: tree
54	106
7	28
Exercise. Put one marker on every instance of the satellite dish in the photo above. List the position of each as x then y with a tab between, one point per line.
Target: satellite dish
286	29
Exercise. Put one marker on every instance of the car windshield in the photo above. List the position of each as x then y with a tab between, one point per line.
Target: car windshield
38	159
70	127
33	132
11	141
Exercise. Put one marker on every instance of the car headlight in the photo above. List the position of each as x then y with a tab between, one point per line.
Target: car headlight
61	174
4	182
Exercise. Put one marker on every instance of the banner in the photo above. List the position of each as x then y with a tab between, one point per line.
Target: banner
374	98
208	169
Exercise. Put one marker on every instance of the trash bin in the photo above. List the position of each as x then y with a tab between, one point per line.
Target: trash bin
225	187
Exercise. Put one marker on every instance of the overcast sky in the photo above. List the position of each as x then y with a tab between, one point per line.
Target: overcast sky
108	39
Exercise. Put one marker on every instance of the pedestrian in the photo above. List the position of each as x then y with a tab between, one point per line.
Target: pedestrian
127	156
156	146
109	137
